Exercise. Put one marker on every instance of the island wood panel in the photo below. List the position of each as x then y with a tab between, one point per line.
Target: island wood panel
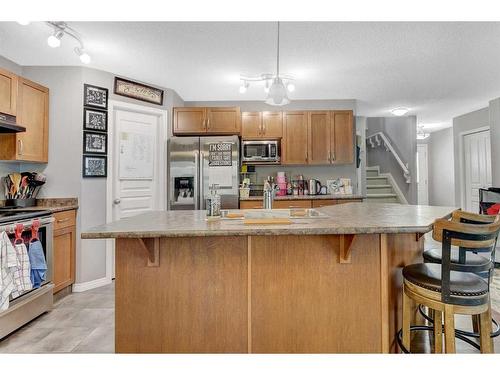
195	301
304	301
397	251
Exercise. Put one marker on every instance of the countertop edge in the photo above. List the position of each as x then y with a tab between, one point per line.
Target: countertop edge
256	232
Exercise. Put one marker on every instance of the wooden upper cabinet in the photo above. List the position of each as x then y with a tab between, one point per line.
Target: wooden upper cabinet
32	113
342	137
189	120
8	92
262	125
223	120
251	124
294	144
203	120
272	124
318	132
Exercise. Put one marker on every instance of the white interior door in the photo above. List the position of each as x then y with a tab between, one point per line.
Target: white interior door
422	174
138	162
477	165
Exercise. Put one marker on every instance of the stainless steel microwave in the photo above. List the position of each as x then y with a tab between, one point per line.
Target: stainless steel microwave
263	151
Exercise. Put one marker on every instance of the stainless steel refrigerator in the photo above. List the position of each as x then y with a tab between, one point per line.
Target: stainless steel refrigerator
195	163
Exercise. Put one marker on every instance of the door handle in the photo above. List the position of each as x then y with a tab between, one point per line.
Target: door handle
196	182
201	182
117	201
20	143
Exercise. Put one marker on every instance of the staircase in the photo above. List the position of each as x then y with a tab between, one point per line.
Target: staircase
380	187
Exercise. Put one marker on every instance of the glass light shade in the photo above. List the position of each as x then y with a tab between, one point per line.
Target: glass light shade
85	58
277	93
54	41
400	111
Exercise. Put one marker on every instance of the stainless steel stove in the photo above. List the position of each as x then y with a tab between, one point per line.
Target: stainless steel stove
34	302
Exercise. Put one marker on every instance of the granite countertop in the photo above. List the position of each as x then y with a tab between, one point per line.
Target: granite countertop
349	218
306	197
53	205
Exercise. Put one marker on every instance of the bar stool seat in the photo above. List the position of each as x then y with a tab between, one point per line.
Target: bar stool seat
436	256
428	276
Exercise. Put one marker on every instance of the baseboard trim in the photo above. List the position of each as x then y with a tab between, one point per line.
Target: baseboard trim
82	287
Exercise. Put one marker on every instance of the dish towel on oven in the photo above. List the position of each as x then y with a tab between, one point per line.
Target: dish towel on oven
38	264
22	279
8	263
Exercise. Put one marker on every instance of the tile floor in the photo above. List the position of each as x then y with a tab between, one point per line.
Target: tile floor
79	323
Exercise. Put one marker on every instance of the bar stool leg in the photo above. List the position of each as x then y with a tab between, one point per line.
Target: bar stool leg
449	329
485	339
407	303
475	323
438	331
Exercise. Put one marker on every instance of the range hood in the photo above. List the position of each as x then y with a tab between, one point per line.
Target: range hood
8	124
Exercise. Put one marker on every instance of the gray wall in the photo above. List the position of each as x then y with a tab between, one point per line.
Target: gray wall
64	169
321	173
463	123
494	115
402	131
441	168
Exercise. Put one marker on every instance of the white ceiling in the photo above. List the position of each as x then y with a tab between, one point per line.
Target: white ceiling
438	70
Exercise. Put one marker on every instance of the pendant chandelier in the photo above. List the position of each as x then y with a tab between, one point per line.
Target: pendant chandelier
276	85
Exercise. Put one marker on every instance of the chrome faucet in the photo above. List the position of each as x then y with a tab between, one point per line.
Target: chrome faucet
269	192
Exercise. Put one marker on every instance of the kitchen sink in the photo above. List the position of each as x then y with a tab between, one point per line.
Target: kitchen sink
292	213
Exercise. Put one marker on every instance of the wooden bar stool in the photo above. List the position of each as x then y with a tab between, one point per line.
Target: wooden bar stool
452	288
460	256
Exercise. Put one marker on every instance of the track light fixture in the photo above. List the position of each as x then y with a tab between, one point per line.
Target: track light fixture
61	29
276	86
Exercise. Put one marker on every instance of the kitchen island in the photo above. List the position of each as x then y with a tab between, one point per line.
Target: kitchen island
322	285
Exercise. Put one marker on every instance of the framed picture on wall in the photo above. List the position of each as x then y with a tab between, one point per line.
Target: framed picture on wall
95	143
138	91
95	119
94	166
94	96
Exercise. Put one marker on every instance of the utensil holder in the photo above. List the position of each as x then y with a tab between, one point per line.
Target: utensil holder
29	202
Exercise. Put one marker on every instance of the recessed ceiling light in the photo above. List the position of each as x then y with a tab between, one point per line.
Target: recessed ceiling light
400	111
23	23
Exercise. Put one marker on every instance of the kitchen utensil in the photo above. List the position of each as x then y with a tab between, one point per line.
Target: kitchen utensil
314	187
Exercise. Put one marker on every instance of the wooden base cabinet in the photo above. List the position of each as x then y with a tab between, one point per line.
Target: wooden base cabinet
32	113
64	249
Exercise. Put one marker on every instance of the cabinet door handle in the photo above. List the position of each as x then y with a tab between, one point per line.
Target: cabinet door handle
264	128
333	156
307	157
330	156
208	123
20	143
63	220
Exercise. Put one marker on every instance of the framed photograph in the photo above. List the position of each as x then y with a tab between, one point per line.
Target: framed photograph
95	119
94	166
95	143
138	91
94	96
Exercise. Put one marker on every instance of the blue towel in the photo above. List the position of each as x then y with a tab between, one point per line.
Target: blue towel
38	264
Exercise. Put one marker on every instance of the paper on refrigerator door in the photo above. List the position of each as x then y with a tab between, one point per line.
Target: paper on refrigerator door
222	176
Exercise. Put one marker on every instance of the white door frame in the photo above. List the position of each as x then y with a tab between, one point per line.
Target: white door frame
461	157
162	133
